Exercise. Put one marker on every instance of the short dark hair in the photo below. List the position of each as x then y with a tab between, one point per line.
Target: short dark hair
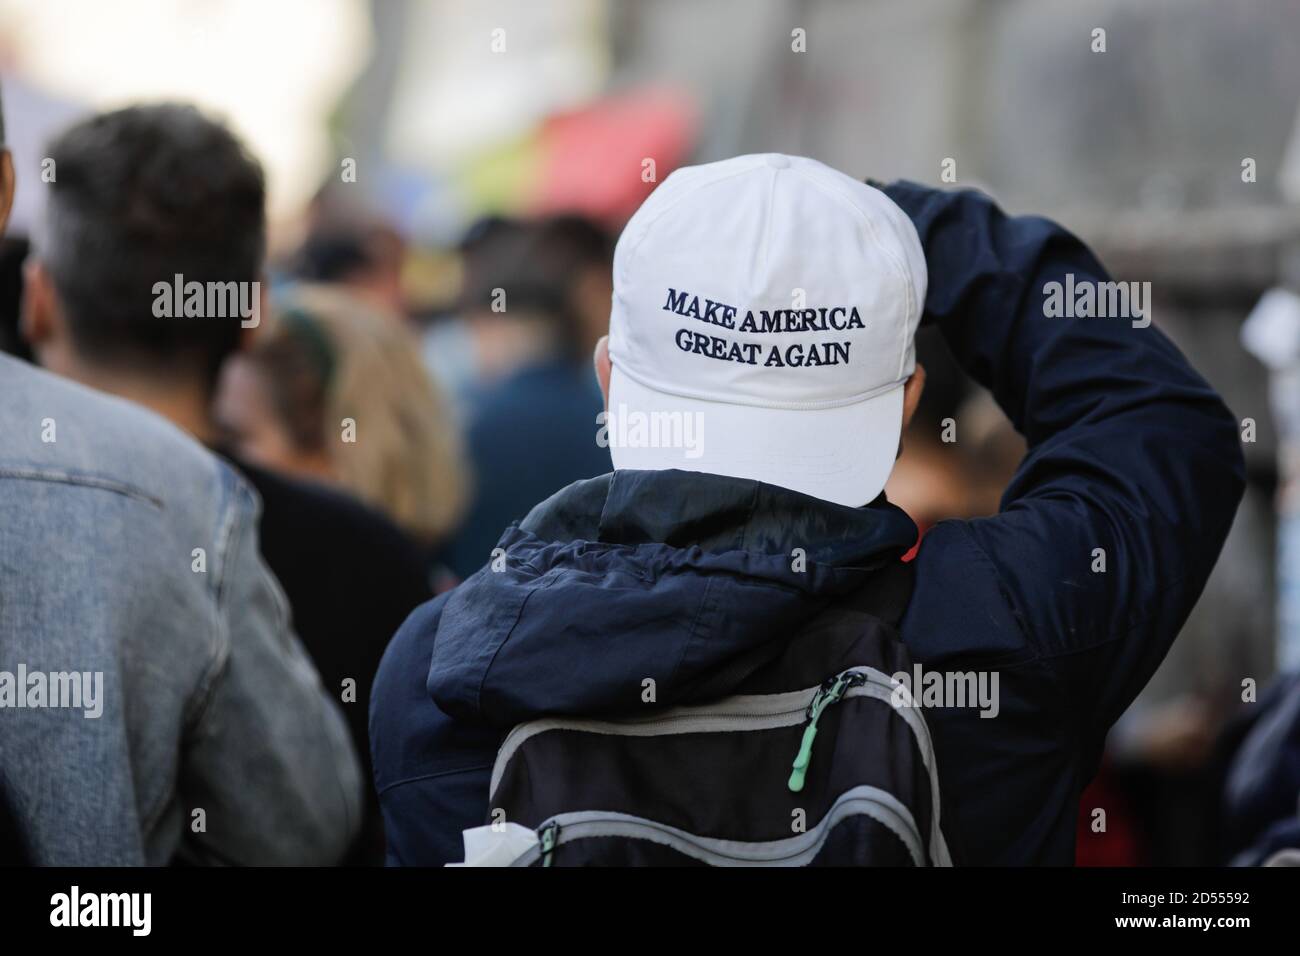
503	253
140	195
578	242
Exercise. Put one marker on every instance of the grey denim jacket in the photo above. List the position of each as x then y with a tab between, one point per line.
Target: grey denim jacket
154	702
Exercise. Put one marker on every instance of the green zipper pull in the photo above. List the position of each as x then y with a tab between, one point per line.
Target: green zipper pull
803	757
549	834
830	692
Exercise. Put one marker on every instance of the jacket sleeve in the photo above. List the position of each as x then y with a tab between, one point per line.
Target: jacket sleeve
269	758
432	773
1133	459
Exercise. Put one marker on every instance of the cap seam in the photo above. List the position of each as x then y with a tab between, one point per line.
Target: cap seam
899	266
767	224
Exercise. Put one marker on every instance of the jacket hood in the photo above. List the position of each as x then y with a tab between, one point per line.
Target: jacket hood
646	575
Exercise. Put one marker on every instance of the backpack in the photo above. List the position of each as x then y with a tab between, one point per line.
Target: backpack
802	753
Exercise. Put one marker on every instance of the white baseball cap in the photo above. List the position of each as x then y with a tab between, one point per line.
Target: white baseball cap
764	315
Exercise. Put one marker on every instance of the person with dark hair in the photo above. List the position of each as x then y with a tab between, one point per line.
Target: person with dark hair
154	704
142	196
361	254
530	421
581	251
146	278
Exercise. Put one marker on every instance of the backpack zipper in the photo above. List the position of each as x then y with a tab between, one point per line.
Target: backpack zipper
831	691
797	850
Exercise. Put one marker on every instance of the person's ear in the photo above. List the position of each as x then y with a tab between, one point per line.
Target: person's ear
603	367
6	187
248	333
912	390
40	322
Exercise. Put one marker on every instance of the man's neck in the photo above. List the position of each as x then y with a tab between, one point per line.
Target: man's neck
186	405
505	344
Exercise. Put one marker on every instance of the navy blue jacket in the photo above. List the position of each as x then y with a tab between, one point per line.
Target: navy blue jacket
666	574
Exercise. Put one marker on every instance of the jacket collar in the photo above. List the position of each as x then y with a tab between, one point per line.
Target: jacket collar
715	513
665	575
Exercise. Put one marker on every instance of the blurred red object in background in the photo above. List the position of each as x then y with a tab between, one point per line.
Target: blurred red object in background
594	159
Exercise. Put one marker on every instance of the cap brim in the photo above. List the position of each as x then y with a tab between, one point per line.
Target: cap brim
842	454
